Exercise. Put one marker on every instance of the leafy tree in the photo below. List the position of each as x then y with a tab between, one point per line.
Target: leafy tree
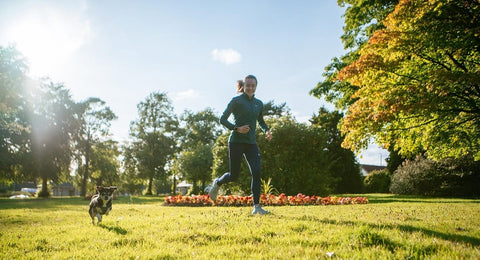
201	128
272	110
345	166
418	82
196	165
130	181
54	123
96	120
362	18
394	159
14	125
220	157
153	135
198	134
104	164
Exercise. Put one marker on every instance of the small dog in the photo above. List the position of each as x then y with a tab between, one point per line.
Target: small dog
101	203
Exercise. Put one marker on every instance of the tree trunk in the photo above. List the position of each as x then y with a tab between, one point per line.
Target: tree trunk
174	187
44	192
195	189
83	191
149	189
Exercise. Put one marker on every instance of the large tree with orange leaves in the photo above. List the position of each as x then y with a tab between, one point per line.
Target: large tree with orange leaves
418	81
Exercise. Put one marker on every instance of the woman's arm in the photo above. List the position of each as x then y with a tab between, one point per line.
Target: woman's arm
264	125
224	118
261	121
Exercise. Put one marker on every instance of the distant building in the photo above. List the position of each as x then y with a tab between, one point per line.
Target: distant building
365	169
183	187
65	189
20	186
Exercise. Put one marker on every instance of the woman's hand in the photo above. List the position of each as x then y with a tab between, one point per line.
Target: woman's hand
243	129
268	135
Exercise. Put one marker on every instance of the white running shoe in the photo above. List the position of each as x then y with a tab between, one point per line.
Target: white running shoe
213	189
257	209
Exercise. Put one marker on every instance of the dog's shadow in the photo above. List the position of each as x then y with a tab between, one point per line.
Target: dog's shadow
116	229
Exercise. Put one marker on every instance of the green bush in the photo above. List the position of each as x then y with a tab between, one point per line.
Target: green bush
377	181
447	177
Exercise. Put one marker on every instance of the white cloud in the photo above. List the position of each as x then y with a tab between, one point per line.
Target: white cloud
226	56
186	95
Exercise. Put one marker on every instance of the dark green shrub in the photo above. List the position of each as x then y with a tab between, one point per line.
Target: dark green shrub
377	181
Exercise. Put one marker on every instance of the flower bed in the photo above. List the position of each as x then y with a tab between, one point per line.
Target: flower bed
269	200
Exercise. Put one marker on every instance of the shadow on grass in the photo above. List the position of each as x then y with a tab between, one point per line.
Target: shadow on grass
41	203
474	241
115	229
391	198
59	202
140	199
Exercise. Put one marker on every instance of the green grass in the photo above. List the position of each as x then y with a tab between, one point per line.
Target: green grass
390	227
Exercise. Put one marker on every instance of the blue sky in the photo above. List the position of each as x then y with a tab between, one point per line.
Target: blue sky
121	51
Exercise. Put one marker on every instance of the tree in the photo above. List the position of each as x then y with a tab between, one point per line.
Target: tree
104	163
54	123
153	135
362	18
418	82
220	163
345	165
272	110
14	125
95	126
198	135
130	182
196	166
201	128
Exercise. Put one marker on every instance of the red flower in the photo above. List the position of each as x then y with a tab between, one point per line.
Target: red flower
270	199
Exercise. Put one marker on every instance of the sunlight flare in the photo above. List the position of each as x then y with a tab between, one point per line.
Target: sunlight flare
48	38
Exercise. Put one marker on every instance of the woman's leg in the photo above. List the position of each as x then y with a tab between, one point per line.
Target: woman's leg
252	154
235	152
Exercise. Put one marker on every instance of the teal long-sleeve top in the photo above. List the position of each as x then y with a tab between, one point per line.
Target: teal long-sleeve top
245	111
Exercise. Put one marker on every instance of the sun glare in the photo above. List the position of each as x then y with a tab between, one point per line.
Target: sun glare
47	39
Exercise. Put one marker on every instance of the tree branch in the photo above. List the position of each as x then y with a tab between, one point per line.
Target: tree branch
450	56
405	76
415	126
432	61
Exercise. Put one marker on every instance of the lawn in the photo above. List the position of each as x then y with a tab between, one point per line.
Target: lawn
389	227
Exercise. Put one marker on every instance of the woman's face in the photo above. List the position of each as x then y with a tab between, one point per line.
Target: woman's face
250	87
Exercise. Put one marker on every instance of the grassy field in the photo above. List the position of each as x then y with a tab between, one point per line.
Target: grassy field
389	227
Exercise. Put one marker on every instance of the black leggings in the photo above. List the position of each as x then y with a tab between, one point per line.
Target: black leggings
252	155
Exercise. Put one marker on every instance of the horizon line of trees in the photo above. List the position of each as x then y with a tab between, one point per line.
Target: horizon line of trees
48	138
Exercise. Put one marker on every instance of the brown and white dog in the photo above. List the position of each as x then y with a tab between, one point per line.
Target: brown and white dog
101	203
